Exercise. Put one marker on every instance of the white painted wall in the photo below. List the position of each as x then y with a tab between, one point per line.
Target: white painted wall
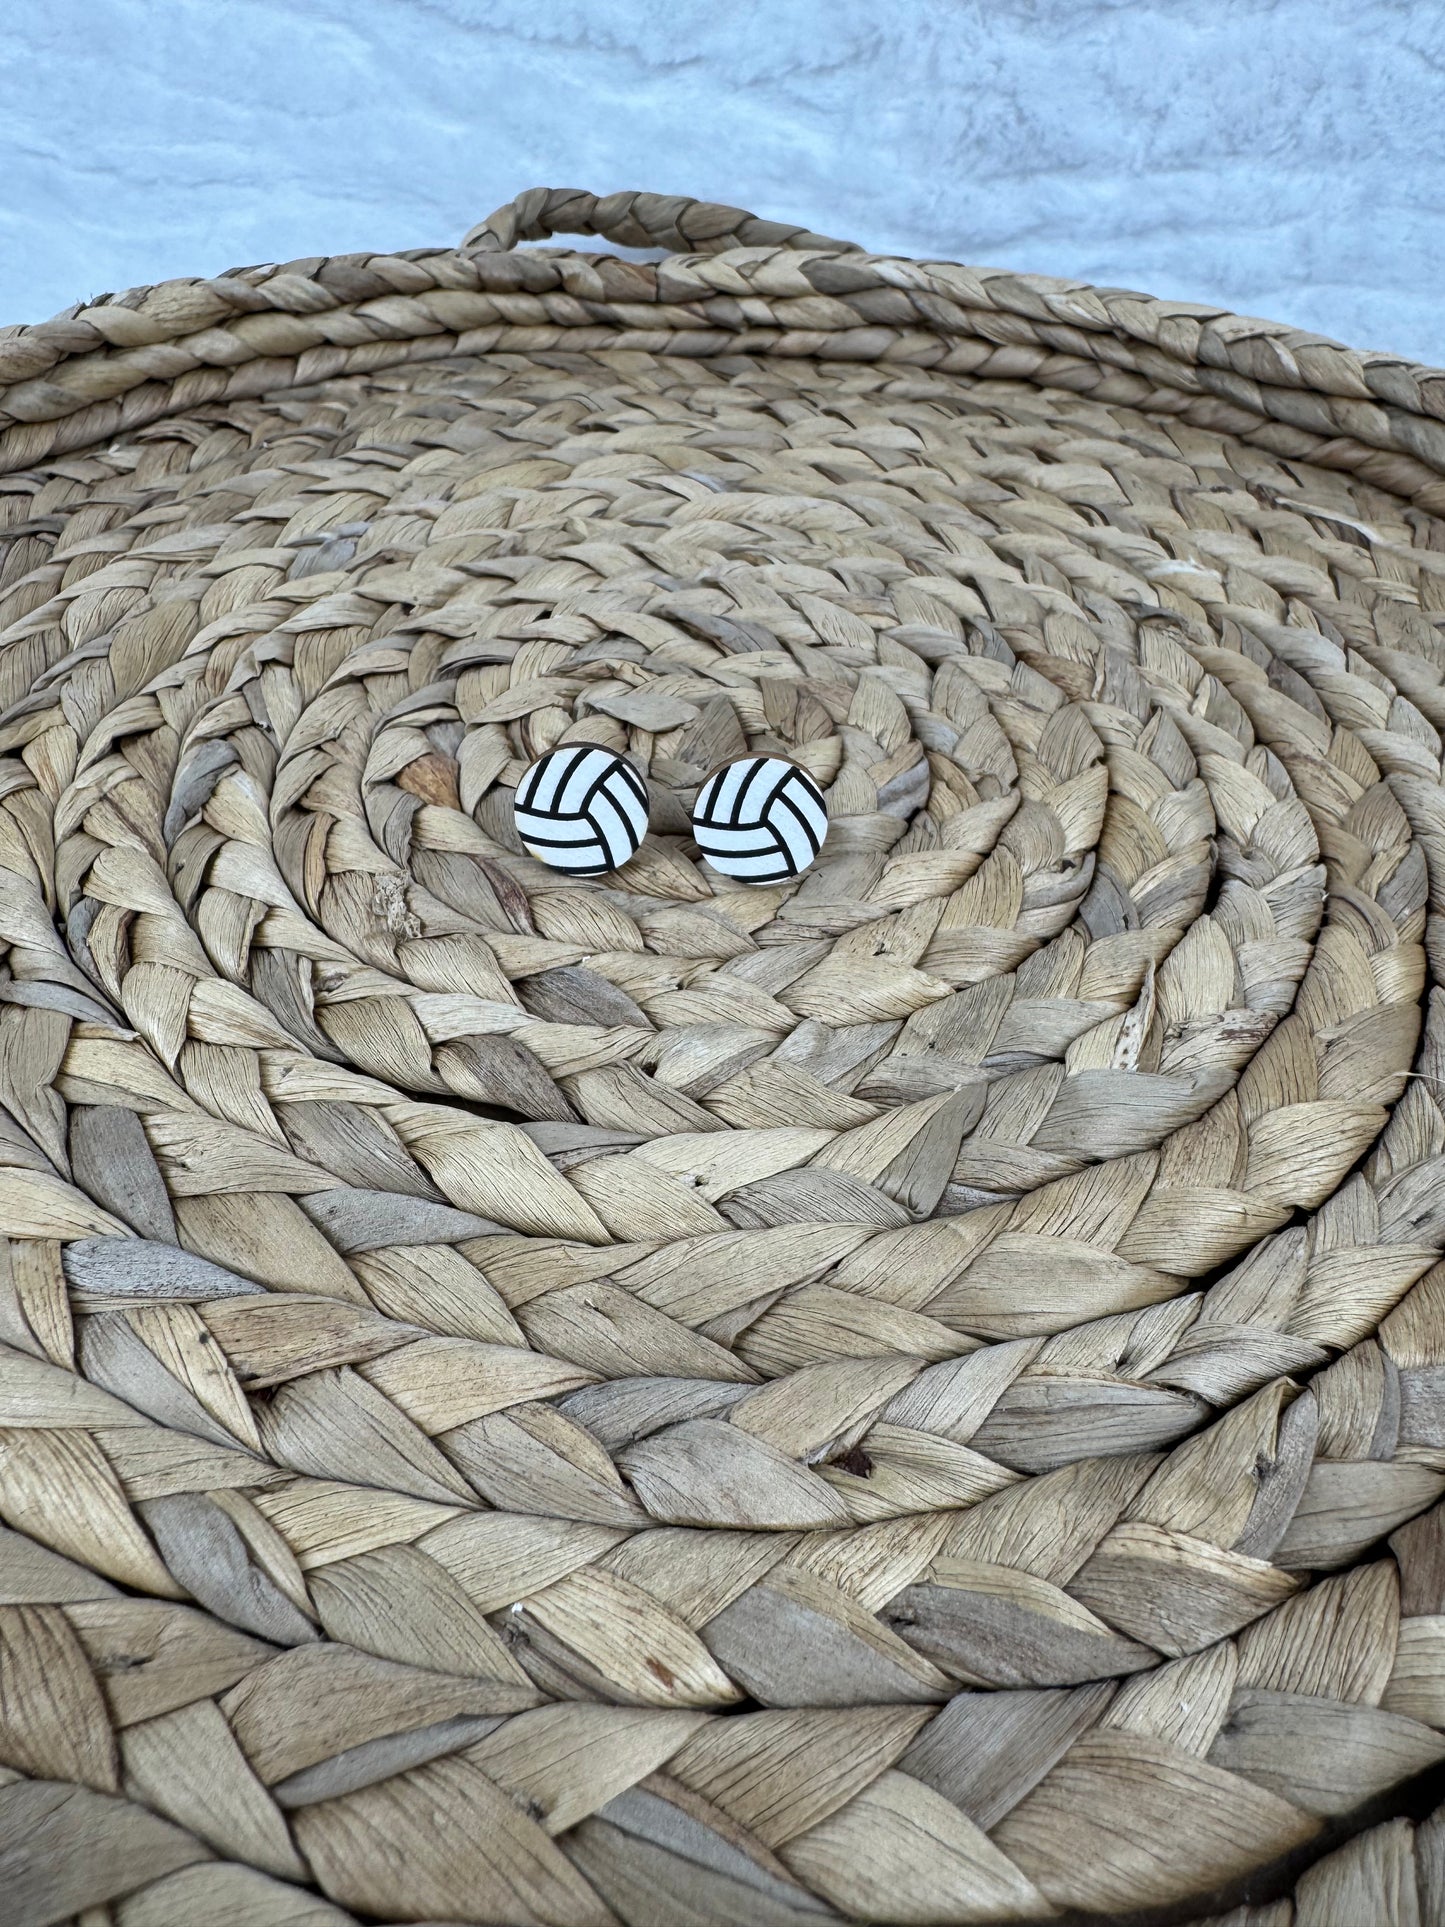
1279	157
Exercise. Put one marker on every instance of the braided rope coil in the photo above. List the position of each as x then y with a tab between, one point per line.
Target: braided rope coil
910	1395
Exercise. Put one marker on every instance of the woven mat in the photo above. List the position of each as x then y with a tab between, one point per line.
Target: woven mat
913	1396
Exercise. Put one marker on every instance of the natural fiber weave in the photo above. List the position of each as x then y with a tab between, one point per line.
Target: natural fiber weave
909	1396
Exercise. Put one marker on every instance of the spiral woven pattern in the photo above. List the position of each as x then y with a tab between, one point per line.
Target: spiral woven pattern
908	1395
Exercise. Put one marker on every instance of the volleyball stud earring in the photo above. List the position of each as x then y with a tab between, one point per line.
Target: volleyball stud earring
581	809
761	819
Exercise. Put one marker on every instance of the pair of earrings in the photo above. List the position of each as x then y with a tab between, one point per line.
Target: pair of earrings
583	809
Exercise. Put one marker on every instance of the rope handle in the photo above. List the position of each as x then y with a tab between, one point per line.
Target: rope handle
635	220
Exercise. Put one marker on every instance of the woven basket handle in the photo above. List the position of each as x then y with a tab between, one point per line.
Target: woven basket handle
635	220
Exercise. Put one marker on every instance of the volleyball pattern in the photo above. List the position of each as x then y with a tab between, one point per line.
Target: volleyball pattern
761	819
581	809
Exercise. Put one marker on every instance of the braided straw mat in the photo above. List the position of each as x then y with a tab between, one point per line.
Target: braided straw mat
913	1396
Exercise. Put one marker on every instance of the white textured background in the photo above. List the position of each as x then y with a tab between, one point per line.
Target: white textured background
1279	157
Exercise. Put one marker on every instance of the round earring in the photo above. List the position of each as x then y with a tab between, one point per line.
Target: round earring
582	809
761	819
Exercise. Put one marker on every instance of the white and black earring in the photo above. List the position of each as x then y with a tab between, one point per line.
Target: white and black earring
582	809
761	819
